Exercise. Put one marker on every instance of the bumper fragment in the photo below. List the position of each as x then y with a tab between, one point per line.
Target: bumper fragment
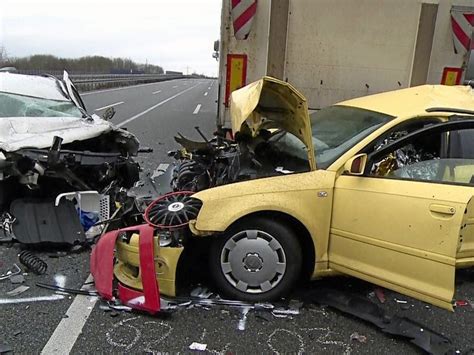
102	268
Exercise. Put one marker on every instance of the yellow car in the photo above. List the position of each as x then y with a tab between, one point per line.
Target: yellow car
386	197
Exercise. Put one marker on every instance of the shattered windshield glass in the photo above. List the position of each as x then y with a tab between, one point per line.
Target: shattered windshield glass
13	105
337	128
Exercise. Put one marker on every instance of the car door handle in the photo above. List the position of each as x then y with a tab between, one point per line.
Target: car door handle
443	209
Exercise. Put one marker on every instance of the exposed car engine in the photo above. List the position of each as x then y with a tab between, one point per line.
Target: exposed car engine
219	161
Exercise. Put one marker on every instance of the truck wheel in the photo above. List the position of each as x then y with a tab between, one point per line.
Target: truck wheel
256	260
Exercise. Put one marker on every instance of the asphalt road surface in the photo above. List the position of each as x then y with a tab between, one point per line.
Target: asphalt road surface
39	320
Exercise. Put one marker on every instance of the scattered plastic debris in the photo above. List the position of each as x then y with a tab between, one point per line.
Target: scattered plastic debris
6	231
17	279
201	292
358	337
380	294
17	291
198	346
282	312
243	320
421	336
400	301
462	303
15	270
186	302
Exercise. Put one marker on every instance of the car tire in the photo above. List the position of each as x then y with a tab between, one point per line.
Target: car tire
256	260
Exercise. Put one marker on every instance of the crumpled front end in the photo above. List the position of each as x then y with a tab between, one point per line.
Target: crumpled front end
50	147
102	269
127	270
127	255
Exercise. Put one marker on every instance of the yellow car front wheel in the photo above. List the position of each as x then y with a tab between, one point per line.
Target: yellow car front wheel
256	260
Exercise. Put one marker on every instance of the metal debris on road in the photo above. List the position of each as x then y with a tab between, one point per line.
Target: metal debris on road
4	301
15	270
109	306
72	291
33	262
201	292
421	336
198	346
358	337
283	312
17	291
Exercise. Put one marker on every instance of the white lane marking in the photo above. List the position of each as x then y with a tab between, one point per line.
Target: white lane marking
174	87
196	110
156	92
205	94
155	106
69	329
111	105
31	299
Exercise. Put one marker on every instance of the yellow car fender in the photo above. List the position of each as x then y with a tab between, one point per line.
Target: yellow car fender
306	197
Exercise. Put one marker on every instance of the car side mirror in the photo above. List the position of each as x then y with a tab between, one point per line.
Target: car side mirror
108	114
356	165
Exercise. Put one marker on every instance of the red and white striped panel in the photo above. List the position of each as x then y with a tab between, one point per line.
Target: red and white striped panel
462	24
243	12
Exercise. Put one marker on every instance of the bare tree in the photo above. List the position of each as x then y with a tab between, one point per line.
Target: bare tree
3	55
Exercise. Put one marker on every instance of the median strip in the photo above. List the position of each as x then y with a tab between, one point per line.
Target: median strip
155	106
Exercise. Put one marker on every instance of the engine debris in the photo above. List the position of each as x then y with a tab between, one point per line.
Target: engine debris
33	262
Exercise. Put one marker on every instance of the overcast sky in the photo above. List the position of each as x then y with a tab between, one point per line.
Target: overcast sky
176	34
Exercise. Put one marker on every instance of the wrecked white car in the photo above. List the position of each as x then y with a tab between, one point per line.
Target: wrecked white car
50	145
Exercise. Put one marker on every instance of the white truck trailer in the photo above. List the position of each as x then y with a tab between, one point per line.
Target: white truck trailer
332	50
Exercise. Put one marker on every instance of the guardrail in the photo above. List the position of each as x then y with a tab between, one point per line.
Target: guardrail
88	82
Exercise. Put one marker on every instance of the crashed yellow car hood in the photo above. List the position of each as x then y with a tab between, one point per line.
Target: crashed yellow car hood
270	103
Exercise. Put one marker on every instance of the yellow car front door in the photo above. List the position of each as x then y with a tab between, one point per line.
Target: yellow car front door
402	235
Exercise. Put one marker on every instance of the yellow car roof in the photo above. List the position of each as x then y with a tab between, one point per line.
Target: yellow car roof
415	100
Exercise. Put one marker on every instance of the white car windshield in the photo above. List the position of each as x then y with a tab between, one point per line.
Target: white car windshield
14	105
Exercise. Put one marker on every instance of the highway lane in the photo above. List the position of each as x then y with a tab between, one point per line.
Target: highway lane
155	125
